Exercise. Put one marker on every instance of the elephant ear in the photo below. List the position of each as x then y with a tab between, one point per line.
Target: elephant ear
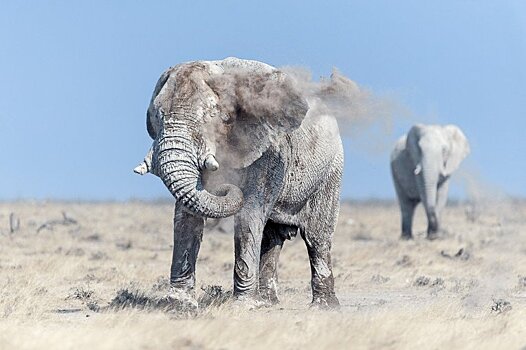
411	143
153	122
256	108
458	149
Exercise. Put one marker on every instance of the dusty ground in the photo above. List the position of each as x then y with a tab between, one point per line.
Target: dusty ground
59	273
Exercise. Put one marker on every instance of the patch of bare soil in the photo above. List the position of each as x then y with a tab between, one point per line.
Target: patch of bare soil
95	275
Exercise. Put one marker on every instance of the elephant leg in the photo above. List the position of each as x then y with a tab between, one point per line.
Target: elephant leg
407	208
433	216
188	232
322	279
442	197
247	243
273	237
317	233
432	223
428	195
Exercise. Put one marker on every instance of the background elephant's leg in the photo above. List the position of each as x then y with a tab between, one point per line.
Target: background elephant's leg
273	237
427	187
322	216
432	222
247	242
407	211
442	197
188	232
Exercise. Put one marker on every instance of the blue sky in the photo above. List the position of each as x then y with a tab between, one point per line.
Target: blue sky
76	79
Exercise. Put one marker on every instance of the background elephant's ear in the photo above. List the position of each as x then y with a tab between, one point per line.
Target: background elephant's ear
458	148
412	139
258	109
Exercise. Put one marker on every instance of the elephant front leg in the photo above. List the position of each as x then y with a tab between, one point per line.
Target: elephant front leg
427	186
247	242
434	213
188	232
407	209
432	223
442	192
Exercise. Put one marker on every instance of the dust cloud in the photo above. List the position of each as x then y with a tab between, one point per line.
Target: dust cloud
353	106
488	206
366	118
484	198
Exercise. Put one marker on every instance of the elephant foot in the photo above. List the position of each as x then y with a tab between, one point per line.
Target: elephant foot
249	303
323	302
406	236
433	235
180	300
269	295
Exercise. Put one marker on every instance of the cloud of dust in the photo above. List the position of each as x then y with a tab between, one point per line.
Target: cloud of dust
255	108
258	94
498	217
366	118
484	199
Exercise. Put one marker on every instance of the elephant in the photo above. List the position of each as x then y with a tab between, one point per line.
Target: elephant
421	165
249	124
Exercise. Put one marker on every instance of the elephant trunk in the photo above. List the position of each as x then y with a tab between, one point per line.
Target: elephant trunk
176	163
428	184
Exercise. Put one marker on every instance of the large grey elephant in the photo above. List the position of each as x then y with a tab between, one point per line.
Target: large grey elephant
421	164
249	124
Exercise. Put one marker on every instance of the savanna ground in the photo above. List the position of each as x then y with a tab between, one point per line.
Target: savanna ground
89	275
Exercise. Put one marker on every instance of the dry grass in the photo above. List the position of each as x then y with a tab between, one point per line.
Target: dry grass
394	294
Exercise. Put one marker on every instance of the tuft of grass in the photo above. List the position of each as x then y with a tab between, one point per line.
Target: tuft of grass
213	296
54	296
127	298
81	293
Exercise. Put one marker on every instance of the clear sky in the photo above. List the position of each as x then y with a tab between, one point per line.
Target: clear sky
76	79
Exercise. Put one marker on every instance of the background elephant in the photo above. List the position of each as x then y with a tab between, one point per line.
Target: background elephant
421	164
249	123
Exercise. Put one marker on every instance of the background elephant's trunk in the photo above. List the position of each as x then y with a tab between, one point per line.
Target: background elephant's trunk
177	166
427	182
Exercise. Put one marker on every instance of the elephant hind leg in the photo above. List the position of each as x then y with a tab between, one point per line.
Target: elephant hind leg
273	237
321	218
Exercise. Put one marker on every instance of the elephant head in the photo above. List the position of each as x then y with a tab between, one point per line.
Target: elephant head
436	152
207	114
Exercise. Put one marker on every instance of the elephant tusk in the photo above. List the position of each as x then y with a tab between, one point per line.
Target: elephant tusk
211	163
146	165
418	169
141	169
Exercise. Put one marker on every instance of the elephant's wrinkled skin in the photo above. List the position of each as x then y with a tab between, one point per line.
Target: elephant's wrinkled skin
285	165
421	164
